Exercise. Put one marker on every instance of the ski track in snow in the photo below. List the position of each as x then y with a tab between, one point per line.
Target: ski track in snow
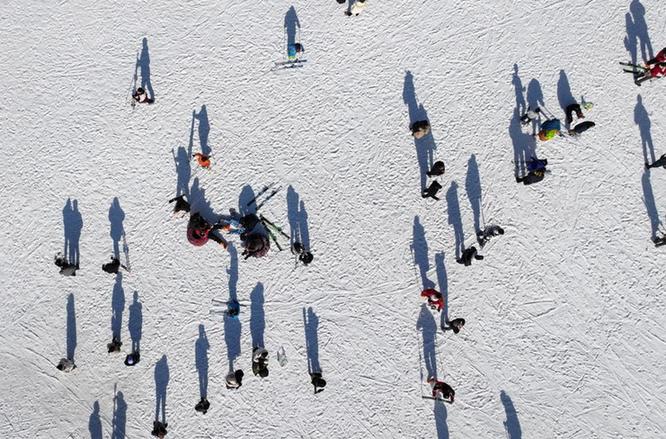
564	314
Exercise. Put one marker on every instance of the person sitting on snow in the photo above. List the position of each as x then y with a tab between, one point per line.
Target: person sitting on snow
536	171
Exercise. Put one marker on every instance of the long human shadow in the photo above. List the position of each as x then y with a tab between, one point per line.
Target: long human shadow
473	189
95	423
291	25
71	327
650	205
135	322
637	33
419	249
144	64
117	232
232	272
311	328
119	420
73	223
182	160
425	146
642	119
204	130
232	325
564	96
512	424
257	317
199	203
201	348
454	218
117	306
519	89
428	327
440	420
298	218
161	383
246	195
534	100
443	281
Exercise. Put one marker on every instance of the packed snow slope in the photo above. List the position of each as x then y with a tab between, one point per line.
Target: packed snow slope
565	315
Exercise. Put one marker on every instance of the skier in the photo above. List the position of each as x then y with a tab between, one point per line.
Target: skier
483	236
181	205
468	255
202	406
455	325
234	379
441	390
260	361
536	171
435	299
66	365
132	359
318	382
202	159
115	345
654	68
303	255
661	161
141	96
570	110
113	266
436	170
66	269
431	191
256	245
159	429
420	129
356	8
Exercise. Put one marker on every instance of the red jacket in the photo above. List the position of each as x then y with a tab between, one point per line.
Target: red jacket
435	299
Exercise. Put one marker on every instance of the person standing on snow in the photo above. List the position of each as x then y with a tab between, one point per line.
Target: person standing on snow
356	8
420	129
536	172
483	236
318	382
468	255
441	390
113	266
141	96
132	359
431	191
66	269
260	361
435	299
66	365
234	379
454	325
114	346
437	169
159	429
181	206
661	161
202	406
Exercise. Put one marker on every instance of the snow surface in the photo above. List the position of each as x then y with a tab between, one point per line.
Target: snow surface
565	318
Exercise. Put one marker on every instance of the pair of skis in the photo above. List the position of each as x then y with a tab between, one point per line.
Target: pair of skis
638	71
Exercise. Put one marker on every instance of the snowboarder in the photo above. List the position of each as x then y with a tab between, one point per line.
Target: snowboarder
436	170
441	390
234	379
536	171
303	255
483	236
435	299
260	361
115	345
66	365
431	191
356	8
468	255
113	266
318	382
420	129
181	206
132	359
141	96
256	245
661	161
66	269
159	429
202	406
455	325
570	110
202	159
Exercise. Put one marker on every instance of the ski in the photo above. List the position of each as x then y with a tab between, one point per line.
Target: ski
260	193
273	237
270	224
436	399
271	195
288	64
